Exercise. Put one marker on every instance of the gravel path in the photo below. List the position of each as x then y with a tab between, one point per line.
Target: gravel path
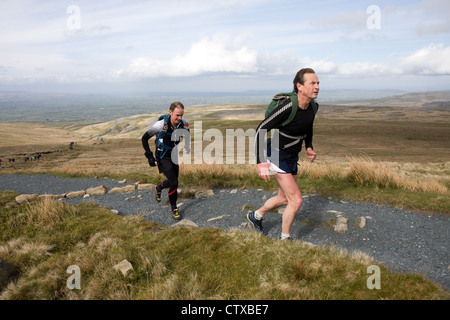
402	240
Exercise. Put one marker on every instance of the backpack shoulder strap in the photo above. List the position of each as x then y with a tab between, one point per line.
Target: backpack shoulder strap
314	105
161	148
293	97
164	117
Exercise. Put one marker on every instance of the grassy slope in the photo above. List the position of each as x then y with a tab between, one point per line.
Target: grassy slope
45	238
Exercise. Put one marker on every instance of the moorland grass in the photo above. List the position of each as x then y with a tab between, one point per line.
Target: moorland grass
178	263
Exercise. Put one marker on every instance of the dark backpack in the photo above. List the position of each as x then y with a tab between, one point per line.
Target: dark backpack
279	98
162	148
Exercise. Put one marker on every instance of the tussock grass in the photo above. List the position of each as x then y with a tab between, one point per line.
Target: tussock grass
364	171
47	212
180	263
361	171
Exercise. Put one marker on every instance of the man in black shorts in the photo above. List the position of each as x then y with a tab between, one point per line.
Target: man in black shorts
282	161
167	130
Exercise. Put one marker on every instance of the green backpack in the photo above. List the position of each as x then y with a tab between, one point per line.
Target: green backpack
279	99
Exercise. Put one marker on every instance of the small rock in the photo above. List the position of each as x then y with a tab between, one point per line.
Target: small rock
218	218
145	186
124	266
362	222
341	225
96	191
205	193
51	196
126	189
185	223
334	211
26	198
76	194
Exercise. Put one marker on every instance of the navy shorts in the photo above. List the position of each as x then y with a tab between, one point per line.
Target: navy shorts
284	164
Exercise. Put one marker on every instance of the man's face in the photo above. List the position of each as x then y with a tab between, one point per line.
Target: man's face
311	87
175	116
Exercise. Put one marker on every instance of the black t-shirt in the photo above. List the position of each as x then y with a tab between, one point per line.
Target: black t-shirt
292	135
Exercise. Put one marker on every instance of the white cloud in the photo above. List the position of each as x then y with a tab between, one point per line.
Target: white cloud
362	69
431	60
221	53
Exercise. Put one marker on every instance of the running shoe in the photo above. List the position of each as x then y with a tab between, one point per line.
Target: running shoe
287	239
255	222
157	194
176	214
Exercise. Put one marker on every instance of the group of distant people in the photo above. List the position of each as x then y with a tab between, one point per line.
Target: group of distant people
35	157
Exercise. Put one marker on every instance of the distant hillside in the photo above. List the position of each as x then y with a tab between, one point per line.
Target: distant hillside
135	126
127	127
435	100
90	108
401	107
71	108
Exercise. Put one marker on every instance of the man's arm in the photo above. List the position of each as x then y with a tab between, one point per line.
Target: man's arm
308	142
145	144
156	128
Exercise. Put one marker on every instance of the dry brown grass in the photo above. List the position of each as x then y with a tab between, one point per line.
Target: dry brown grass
124	158
23	133
48	212
365	171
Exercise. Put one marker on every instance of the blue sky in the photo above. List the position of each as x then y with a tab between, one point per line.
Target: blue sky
218	45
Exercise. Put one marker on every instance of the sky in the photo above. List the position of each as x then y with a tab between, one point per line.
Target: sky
223	46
